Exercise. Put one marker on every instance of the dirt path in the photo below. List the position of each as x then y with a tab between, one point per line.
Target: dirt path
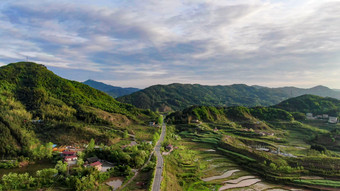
225	175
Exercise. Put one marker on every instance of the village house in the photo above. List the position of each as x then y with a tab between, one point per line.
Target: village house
68	153
70	158
325	116
133	143
169	147
319	116
92	159
97	165
309	116
332	120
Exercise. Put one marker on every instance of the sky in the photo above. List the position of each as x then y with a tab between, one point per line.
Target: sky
131	43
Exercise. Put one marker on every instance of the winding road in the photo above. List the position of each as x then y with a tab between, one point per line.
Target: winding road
156	185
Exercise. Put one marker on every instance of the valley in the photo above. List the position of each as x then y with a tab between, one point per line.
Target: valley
59	134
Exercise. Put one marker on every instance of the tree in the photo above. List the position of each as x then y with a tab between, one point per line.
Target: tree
319	148
45	176
80	155
273	166
90	146
80	162
126	134
61	167
160	120
49	149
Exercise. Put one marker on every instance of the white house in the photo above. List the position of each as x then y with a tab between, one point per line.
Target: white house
309	116
333	120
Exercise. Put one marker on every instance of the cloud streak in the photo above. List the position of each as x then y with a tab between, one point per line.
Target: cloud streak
141	43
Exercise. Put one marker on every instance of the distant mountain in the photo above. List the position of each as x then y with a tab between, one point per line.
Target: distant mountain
113	91
317	90
180	96
311	104
38	106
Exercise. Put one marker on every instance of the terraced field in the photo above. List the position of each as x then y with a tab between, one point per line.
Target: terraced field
227	175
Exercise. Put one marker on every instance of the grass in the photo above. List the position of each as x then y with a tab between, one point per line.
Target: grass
237	155
328	183
143	177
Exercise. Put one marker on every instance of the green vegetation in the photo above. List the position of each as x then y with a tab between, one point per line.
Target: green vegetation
37	107
328	183
311	104
265	141
174	97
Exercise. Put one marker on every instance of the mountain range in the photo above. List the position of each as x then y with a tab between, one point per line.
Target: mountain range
176	96
113	91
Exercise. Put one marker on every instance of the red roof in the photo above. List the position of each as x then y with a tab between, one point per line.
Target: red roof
70	157
68	153
96	164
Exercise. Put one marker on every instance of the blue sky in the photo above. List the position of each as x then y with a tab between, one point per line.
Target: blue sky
141	43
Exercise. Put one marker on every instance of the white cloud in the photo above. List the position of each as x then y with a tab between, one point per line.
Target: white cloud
208	41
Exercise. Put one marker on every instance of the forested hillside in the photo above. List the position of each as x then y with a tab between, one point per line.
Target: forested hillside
180	96
36	104
249	116
311	104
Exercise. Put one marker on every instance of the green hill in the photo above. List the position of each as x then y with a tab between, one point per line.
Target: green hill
36	105
180	96
311	104
113	91
248	117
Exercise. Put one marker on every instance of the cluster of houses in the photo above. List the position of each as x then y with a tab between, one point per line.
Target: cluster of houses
332	120
261	133
277	152
70	157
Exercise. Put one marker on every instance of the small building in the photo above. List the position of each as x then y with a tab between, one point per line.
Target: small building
325	116
152	124
319	116
68	153
92	159
169	147
97	165
332	120
309	116
70	158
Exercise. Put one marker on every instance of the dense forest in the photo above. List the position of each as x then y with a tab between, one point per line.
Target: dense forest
36	104
311	104
175	97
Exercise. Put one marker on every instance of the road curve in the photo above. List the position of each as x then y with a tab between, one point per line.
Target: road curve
156	185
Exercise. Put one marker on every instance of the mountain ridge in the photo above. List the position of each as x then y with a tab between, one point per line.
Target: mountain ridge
178	96
113	91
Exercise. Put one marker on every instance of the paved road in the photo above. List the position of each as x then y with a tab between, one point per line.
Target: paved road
156	186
